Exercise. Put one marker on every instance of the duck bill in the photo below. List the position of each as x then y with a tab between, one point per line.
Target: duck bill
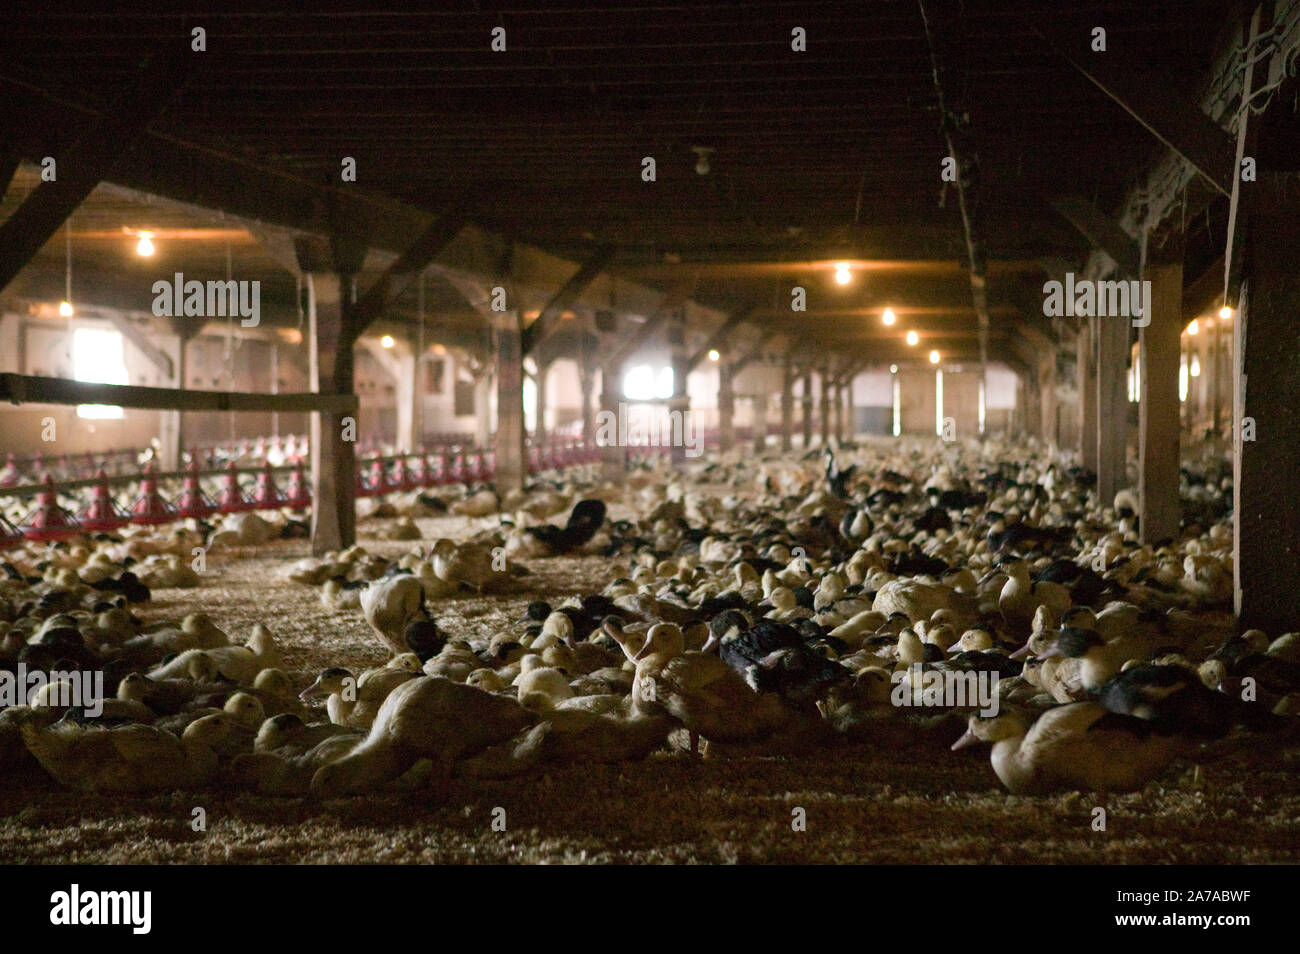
312	691
1022	653
643	652
967	739
1052	652
710	644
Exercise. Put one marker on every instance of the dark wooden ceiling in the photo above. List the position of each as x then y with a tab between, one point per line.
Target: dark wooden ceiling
834	152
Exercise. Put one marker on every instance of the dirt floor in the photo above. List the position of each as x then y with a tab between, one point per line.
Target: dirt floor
911	803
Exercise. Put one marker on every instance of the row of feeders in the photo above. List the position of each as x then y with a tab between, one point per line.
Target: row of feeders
49	521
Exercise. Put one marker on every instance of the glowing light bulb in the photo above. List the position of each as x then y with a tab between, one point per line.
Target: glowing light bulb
145	246
934	357
387	341
713	355
842	273
888	316
913	338
1225	312
1193	327
65	309
893	369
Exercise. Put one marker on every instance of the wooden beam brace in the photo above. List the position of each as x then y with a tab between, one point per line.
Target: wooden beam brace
403	272
81	167
719	335
132	332
1181	126
577	283
1102	232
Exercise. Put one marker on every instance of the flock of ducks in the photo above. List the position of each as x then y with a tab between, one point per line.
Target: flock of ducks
774	607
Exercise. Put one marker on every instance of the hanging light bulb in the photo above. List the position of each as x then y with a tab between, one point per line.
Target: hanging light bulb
387	341
934	357
1193	327
842	274
713	354
913	338
1225	312
893	369
144	247
888	316
65	308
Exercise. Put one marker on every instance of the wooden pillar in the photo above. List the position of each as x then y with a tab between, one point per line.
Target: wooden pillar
510	469
1266	418
825	406
1159	412
1212	382
1112	407
679	406
613	455
171	424
787	404
333	435
758	402
483	407
1047	395
539	426
849	428
807	399
726	407
410	398
587	382
1086	363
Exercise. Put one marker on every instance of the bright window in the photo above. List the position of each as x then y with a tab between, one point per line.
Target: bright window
97	356
642	383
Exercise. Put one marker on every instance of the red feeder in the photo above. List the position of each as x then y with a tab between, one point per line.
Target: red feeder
151	509
10	476
298	495
379	484
401	476
420	475
232	499
9	535
193	502
101	513
48	521
267	495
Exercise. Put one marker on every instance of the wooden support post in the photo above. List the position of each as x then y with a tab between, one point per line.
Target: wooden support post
787	403
1266	418
758	405
1159	412
510	468
333	435
679	406
587	382
807	399
1086	363
410	400
483	407
824	406
613	454
171	424
1047	395
837	410
539	425
726	407
850	425
1112	407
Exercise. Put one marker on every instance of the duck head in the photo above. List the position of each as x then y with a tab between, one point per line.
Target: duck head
726	625
1010	724
664	639
330	681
